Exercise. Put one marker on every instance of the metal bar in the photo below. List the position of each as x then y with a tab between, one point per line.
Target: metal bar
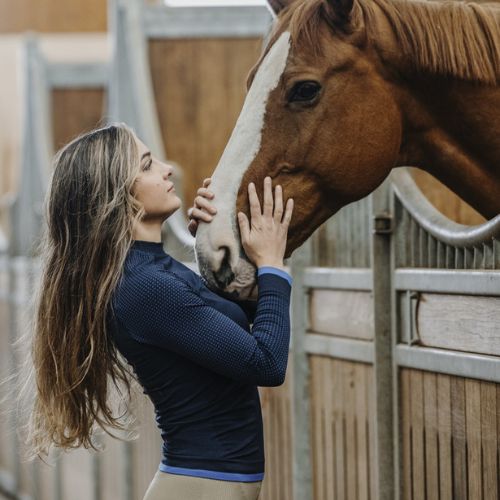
383	362
433	221
8	487
366	232
468	254
81	75
448	281
450	257
461	364
206	22
487	256
441	255
96	475
128	470
459	258
13	284
340	347
431	252
302	472
496	253
349	236
422	248
413	242
338	279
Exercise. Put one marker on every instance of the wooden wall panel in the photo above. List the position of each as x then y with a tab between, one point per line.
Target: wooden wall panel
470	323
75	111
53	15
200	88
449	434
342	409
341	312
277	418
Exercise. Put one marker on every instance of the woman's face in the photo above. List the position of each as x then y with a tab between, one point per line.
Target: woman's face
152	186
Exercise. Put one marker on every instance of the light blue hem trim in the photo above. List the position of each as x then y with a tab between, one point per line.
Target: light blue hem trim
211	474
275	270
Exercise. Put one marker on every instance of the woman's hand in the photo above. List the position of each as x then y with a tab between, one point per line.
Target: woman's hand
202	209
264	237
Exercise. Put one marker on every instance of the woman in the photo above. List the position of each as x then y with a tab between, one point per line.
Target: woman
108	288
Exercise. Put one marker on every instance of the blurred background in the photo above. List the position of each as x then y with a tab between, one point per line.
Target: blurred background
176	73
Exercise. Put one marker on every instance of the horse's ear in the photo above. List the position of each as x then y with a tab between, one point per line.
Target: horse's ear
340	10
277	6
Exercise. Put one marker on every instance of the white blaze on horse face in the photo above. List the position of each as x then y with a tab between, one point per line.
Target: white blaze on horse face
240	152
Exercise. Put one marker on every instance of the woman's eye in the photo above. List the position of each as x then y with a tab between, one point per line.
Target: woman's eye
304	91
148	165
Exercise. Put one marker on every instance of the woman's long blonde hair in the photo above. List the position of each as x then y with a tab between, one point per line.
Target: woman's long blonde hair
90	213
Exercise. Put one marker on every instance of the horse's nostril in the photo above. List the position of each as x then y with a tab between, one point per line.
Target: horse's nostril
224	275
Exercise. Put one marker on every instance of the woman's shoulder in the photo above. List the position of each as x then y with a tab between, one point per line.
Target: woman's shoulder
147	283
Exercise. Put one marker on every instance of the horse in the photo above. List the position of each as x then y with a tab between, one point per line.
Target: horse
346	90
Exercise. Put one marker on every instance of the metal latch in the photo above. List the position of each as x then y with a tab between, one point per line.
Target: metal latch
383	223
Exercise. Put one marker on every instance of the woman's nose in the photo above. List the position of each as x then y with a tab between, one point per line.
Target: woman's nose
168	171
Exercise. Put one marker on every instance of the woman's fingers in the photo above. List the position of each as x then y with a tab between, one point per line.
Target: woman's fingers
205	193
207	181
255	211
244	227
198	214
278	203
268	197
288	212
201	202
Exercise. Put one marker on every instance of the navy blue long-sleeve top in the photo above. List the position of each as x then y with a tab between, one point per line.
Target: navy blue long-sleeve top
200	362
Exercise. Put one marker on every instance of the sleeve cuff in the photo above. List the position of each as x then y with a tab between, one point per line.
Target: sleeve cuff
275	270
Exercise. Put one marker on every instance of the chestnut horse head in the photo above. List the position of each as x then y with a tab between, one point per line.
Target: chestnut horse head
323	117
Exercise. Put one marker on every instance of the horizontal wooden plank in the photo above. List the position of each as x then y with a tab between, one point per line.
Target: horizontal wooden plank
343	313
462	323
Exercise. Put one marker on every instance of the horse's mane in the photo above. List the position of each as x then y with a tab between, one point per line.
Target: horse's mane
452	38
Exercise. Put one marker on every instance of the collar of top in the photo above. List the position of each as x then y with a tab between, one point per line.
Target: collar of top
148	246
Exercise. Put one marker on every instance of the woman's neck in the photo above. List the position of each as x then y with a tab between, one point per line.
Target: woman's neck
147	231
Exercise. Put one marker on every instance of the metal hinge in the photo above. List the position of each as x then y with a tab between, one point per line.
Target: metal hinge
383	223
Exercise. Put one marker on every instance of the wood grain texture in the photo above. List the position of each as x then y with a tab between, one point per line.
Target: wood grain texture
417	435
342	313
75	111
470	323
489	440
459	436
342	411
199	87
278	444
444	437
53	16
405	426
431	433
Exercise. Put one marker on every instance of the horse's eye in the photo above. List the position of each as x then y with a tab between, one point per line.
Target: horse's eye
304	91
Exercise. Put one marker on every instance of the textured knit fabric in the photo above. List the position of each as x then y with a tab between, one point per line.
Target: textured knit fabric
174	487
199	361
